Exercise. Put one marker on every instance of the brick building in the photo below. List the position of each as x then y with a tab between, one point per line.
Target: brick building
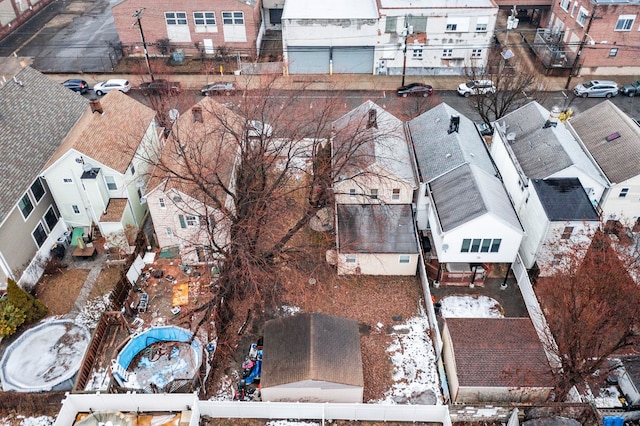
196	26
599	36
14	13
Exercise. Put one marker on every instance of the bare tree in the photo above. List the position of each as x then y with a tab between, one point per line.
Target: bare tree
592	306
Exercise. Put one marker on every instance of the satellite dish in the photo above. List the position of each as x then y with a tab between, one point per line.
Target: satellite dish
86	167
173	115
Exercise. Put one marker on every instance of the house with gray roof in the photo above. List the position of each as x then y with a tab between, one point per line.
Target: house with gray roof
376	239
33	127
312	357
612	140
462	204
559	214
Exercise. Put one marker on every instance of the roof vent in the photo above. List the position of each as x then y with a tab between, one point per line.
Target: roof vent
372	121
454	124
613	136
197	115
511	137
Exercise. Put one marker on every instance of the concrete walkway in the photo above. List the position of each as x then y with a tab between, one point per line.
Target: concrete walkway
96	266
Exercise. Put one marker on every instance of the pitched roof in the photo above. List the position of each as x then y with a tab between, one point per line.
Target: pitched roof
35	117
110	138
564	199
311	346
211	145
438	151
504	352
376	228
384	144
540	152
483	193
631	364
619	159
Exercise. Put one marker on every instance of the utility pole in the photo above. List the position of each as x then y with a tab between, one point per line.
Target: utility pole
575	65
138	14
408	29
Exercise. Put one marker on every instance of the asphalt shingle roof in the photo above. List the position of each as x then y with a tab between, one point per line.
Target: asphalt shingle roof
619	159
503	352
564	199
35	117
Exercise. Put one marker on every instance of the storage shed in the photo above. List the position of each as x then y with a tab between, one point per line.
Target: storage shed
312	357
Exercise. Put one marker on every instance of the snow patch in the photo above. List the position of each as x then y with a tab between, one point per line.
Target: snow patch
290	310
290	423
468	306
92	310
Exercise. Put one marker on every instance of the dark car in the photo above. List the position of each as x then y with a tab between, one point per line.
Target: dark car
77	85
414	89
160	87
219	88
631	89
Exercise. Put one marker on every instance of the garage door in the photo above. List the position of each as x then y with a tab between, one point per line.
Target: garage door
353	60
308	60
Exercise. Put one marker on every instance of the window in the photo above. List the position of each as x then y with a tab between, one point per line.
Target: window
481	23
75	209
623	192
419	23
51	218
613	52
111	183
192	220
133	170
566	233
481	27
67	180
395	194
564	4
625	22
26	206
351	258
476	53
163	204
352	192
447	53
486	243
374	194
404	258
169	232
417	52
204	18
233	18
175	18
582	16
495	246
452	27
37	190
390	24
475	245
39	234
573	9
466	243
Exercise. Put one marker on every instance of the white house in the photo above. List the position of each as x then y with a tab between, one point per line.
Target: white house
184	214
612	140
558	215
98	174
442	37
372	158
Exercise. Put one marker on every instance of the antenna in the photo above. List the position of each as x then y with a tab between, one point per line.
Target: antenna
18	82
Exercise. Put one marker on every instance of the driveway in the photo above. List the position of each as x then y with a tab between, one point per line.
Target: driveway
68	37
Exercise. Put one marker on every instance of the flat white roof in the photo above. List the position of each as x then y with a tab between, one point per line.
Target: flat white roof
330	9
433	4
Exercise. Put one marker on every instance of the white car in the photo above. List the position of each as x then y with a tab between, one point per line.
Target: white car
113	84
476	87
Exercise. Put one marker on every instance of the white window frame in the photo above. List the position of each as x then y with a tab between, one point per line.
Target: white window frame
111	181
208	23
350	258
417	52
352	192
75	209
44	216
169	232
395	194
482	23
192	220
162	203
627	22
447	53
623	193
33	205
404	258
374	193
451	28
613	52
44	190
176	18
46	234
68	181
564	5
233	16
574	8
583	14
476	53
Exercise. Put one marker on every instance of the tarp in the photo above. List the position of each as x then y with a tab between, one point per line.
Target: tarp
180	294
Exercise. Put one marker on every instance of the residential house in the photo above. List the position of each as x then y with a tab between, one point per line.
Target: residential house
372	159
628	375
596	37
98	174
312	357
184	214
33	126
558	215
461	205
273	14
14	13
376	239
196	27
495	360
612	140
328	37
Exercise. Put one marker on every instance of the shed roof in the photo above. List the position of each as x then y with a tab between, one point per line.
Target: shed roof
564	199
498	352
376	228
631	364
311	346
35	117
438	151
618	158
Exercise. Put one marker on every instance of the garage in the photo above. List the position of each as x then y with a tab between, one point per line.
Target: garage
353	60
308	60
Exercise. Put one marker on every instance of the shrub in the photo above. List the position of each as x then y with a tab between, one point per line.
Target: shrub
10	318
32	308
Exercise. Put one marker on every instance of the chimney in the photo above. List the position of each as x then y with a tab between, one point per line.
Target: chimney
95	105
454	124
554	116
372	121
197	115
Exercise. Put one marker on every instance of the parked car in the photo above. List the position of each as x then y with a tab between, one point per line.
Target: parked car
219	88
476	87
485	129
596	89
414	89
631	89
113	84
77	85
160	87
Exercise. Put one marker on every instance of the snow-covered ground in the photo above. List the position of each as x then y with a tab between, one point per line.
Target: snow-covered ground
472	306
